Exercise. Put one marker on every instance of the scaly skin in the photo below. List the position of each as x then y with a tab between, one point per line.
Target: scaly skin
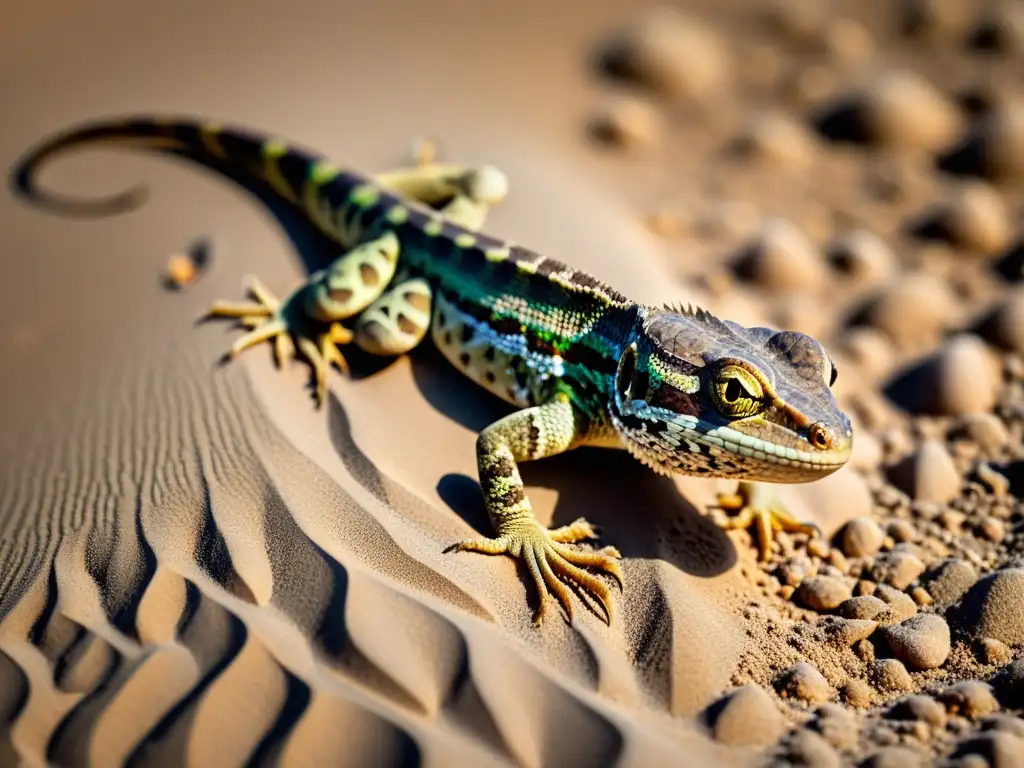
680	389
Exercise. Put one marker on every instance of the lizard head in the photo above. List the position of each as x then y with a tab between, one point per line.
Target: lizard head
700	395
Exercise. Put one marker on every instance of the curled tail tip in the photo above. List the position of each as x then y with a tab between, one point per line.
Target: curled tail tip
24	186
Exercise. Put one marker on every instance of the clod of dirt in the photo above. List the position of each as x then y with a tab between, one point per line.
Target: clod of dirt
971	698
921	708
994	607
898	569
898	601
805	683
868	608
890	675
749	716
949	580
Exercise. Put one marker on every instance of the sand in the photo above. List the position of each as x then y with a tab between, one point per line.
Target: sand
198	567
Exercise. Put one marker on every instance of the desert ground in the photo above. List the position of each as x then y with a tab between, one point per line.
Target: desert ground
200	567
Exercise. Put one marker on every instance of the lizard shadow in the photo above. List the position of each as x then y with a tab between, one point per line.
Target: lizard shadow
641	513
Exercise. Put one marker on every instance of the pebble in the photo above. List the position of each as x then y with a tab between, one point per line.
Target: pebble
912	307
823	593
950	580
848	41
804	682
921	708
992	529
902	531
921	596
985	429
671	53
628	122
749	717
901	108
891	675
846	632
895	757
1005	723
861	537
976	218
1001	30
837	725
796	570
898	569
971	698
994	606
992	651
994	149
1005	325
780	257
810	749
857	693
867	608
922	641
777	137
966	377
862	256
999	749
929	474
935	20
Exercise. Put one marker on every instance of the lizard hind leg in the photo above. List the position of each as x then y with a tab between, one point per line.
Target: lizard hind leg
397	321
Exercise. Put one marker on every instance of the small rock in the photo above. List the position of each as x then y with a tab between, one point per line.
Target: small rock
921	708
899	602
971	698
670	52
975	218
848	41
994	606
781	258
804	682
863	256
871	351
994	149
778	138
1005	325
795	570
921	596
864	650
929	474
857	693
898	569
823	593
809	748
862	536
1005	723
896	757
749	716
846	632
950	579
628	122
922	641
992	651
864	588
891	675
1001	30
985	429
912	307
837	725
867	608
992	529
902	531
1011	682
999	749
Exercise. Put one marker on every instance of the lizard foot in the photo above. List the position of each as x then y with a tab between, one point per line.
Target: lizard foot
553	564
285	322
758	507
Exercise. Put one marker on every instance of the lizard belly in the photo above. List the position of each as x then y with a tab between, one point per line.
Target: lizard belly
501	363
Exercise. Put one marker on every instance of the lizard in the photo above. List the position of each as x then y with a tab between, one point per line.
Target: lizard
680	389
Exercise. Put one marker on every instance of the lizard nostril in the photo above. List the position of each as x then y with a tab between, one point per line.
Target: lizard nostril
820	435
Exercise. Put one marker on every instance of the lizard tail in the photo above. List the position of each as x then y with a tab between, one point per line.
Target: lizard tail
205	143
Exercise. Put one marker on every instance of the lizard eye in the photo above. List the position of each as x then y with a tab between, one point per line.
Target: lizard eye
624	376
736	392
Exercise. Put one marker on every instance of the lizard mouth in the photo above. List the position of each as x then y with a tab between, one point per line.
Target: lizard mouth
670	442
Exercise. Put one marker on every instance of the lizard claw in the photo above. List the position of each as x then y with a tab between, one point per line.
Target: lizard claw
287	326
757	506
553	564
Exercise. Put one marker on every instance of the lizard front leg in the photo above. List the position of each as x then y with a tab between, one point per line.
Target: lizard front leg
526	435
758	506
310	314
